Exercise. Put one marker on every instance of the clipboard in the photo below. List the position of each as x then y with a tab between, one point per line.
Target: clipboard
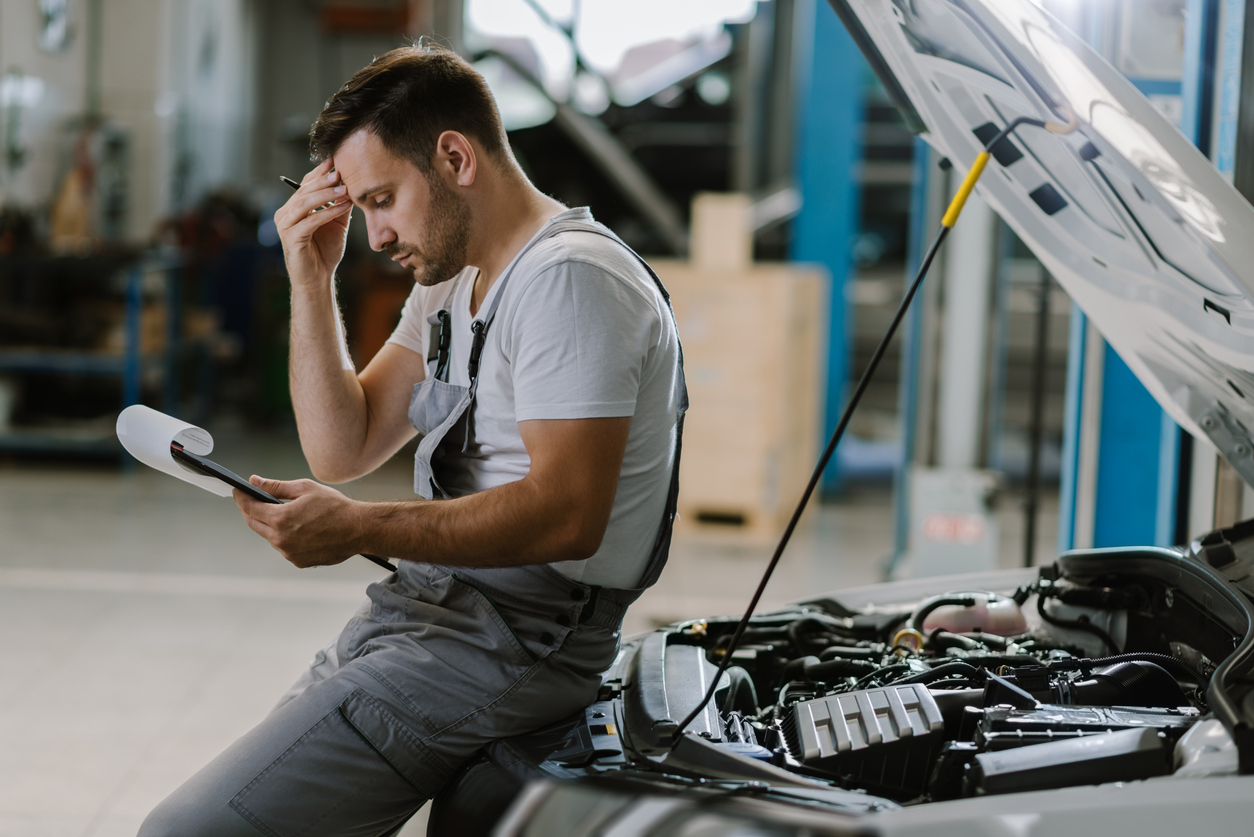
212	469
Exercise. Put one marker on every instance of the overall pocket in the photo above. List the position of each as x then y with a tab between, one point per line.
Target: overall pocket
333	780
432	402
490	609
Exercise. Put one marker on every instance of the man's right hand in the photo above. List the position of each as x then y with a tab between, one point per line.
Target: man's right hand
313	242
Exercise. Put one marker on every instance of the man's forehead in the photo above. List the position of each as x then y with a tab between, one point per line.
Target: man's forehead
366	166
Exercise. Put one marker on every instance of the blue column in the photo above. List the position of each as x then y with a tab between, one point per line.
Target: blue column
911	356
1129	459
829	142
1077	335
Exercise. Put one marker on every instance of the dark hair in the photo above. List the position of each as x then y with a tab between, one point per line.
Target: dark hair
408	97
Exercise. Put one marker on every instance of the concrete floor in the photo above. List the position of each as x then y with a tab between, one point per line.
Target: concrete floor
145	627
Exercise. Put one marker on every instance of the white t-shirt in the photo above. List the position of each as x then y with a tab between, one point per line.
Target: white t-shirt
582	331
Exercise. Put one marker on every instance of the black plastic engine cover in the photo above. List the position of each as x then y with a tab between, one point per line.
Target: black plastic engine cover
1122	756
1003	728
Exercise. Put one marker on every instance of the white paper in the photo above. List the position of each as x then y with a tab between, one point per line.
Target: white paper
146	434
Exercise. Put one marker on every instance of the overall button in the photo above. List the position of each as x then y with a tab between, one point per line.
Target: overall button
563	620
546	638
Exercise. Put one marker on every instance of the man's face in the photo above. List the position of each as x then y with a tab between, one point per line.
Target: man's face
419	221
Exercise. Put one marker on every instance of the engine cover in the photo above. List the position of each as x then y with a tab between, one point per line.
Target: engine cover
871	735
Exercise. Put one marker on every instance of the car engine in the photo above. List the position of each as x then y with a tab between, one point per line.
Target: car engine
963	694
1108	666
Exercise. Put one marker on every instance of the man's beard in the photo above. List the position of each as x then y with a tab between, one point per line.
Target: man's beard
446	234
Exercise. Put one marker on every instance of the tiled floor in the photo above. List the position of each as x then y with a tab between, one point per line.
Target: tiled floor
143	626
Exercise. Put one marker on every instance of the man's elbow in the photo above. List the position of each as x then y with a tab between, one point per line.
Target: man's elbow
581	539
331	472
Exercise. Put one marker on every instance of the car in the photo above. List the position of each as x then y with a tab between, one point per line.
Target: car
1112	690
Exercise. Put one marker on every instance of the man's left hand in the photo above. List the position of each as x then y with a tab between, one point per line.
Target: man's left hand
317	527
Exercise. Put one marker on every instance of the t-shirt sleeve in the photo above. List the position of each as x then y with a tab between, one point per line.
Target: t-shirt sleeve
411	331
577	341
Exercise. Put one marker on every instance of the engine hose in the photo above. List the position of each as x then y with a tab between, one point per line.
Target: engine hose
806	630
940	672
941	639
849	652
880	673
921	613
992	641
1166	661
1075	624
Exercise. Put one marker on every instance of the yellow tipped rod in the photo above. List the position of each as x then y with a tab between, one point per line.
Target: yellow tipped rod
964	191
947	223
977	167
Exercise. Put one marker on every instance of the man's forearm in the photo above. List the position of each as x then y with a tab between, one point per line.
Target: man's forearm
512	525
327	397
558	512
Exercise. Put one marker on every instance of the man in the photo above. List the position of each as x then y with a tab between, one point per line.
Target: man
539	358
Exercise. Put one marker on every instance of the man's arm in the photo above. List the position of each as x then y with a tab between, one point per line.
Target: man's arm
558	512
348	424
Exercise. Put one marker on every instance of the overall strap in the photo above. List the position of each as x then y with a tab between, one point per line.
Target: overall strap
610	605
480	325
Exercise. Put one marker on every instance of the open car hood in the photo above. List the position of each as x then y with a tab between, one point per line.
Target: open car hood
1134	222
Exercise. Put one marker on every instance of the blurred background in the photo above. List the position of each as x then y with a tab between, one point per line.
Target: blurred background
743	146
142	142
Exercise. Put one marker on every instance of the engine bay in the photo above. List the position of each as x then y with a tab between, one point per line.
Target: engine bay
1095	671
1112	665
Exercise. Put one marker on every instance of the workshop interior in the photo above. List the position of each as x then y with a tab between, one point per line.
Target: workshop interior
965	289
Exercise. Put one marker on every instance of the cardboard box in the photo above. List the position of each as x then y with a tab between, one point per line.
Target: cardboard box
754	338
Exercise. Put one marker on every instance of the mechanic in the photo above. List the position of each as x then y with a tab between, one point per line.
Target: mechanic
538	357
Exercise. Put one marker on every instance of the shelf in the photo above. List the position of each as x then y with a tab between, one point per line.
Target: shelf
95	439
68	361
86	441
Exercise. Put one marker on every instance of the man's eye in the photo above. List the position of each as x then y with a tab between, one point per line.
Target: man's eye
383	202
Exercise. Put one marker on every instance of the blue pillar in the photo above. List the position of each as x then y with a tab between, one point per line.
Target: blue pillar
1077	337
911	356
1129	459
829	143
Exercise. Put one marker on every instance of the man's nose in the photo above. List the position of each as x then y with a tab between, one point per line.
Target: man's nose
380	235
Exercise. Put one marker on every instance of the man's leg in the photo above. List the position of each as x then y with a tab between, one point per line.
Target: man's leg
303	770
325	663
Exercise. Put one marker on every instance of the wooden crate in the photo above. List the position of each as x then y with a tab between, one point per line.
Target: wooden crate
754	340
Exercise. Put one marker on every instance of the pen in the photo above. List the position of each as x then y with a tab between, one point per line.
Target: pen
290	182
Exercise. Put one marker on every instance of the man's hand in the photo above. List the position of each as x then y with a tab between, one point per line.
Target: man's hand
317	528
313	242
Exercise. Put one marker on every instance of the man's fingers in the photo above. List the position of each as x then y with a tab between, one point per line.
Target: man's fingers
252	507
261	528
283	489
272	486
304	202
320	170
311	221
301	204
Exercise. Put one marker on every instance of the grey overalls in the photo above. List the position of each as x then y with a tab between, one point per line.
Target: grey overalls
444	661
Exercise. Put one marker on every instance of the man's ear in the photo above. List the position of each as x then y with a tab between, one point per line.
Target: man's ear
455	154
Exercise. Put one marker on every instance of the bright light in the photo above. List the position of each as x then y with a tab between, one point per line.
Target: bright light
514	19
19	90
605	30
609	29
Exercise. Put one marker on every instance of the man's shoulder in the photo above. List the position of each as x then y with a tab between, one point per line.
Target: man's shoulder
584	253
